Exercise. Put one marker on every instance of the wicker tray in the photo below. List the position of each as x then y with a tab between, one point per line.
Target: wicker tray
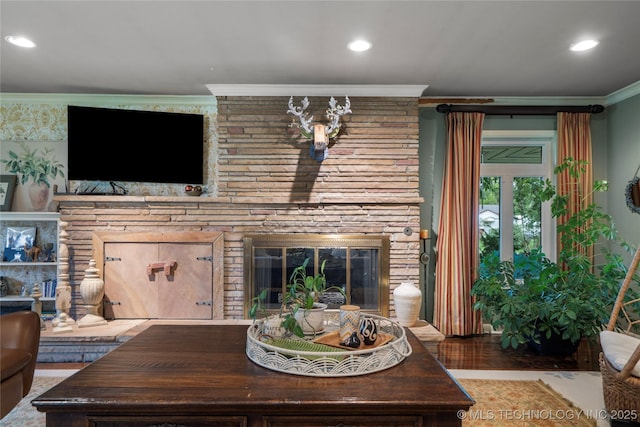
308	358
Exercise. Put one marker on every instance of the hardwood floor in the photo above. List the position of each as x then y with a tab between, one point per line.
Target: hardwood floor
480	352
485	352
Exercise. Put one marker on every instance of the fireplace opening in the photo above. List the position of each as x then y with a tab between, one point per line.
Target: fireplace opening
357	264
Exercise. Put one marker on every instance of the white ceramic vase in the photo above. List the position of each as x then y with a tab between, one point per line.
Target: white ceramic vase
408	299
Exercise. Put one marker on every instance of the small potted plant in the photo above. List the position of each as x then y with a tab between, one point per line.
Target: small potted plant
536	301
41	169
301	312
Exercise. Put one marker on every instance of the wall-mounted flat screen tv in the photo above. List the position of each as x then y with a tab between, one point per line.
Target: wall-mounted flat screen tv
120	145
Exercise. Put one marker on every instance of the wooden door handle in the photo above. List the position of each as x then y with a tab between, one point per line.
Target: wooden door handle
166	266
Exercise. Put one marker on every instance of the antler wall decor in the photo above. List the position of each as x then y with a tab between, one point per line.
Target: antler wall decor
321	133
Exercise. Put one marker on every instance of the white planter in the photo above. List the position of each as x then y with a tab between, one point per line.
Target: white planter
272	327
311	321
408	299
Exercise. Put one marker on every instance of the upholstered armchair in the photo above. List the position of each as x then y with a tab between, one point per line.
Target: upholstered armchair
19	341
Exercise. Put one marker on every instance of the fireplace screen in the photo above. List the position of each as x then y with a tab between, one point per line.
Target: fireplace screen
357	264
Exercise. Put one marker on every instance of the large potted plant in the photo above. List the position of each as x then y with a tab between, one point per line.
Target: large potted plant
39	168
301	312
540	302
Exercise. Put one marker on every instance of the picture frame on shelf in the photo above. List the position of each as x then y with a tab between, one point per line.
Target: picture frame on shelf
7	188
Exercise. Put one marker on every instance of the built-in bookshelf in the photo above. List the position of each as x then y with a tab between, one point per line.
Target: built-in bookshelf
19	271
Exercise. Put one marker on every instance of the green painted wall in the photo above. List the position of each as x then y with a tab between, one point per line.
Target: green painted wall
616	152
622	163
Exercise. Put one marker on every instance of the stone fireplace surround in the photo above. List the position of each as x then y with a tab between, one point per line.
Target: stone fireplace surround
265	182
88	214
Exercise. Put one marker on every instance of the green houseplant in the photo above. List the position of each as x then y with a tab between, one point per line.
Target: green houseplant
300	299
534	299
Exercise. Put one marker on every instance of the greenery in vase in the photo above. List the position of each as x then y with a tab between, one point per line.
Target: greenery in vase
572	297
303	292
30	164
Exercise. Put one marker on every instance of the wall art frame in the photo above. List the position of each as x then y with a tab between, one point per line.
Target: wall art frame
7	188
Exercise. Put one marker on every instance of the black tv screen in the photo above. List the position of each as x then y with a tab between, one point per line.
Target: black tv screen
108	144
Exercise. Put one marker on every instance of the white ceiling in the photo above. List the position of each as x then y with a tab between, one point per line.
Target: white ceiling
436	48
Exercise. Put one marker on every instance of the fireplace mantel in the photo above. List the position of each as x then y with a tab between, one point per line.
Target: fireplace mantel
204	199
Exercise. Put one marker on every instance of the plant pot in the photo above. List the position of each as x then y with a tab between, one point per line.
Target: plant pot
311	320
272	327
39	195
554	345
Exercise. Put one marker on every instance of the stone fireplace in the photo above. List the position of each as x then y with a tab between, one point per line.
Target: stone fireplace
377	240
263	182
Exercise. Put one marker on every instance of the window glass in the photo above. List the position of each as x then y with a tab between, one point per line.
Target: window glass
517	154
513	221
267	274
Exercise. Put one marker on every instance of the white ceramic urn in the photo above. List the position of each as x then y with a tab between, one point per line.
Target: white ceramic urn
408	299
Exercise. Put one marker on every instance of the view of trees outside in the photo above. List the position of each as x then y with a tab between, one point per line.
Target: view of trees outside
526	215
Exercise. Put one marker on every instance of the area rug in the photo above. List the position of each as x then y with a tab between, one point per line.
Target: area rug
520	403
498	403
24	414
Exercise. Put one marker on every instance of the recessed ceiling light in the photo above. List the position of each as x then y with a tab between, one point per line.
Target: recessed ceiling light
583	45
359	45
20	41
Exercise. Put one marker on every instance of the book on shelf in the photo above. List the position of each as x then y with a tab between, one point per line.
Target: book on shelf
49	288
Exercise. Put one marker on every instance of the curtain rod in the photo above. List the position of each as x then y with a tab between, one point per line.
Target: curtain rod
517	110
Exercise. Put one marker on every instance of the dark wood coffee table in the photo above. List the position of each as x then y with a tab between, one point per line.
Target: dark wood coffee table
199	375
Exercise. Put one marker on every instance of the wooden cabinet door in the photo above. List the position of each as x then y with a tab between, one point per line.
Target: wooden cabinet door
132	291
187	293
129	294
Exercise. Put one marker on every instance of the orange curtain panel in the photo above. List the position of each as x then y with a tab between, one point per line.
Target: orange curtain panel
458	229
574	140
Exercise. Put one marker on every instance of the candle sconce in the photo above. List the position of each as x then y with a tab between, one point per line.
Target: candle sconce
320	133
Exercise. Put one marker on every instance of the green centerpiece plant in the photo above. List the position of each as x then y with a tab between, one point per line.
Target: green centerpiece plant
534	299
301	298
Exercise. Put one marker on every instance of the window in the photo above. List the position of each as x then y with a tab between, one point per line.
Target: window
513	220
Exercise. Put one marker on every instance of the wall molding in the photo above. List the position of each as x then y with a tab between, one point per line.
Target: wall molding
101	99
414	91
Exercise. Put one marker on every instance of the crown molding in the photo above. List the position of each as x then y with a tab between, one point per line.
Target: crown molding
312	90
414	91
613	98
624	93
102	99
